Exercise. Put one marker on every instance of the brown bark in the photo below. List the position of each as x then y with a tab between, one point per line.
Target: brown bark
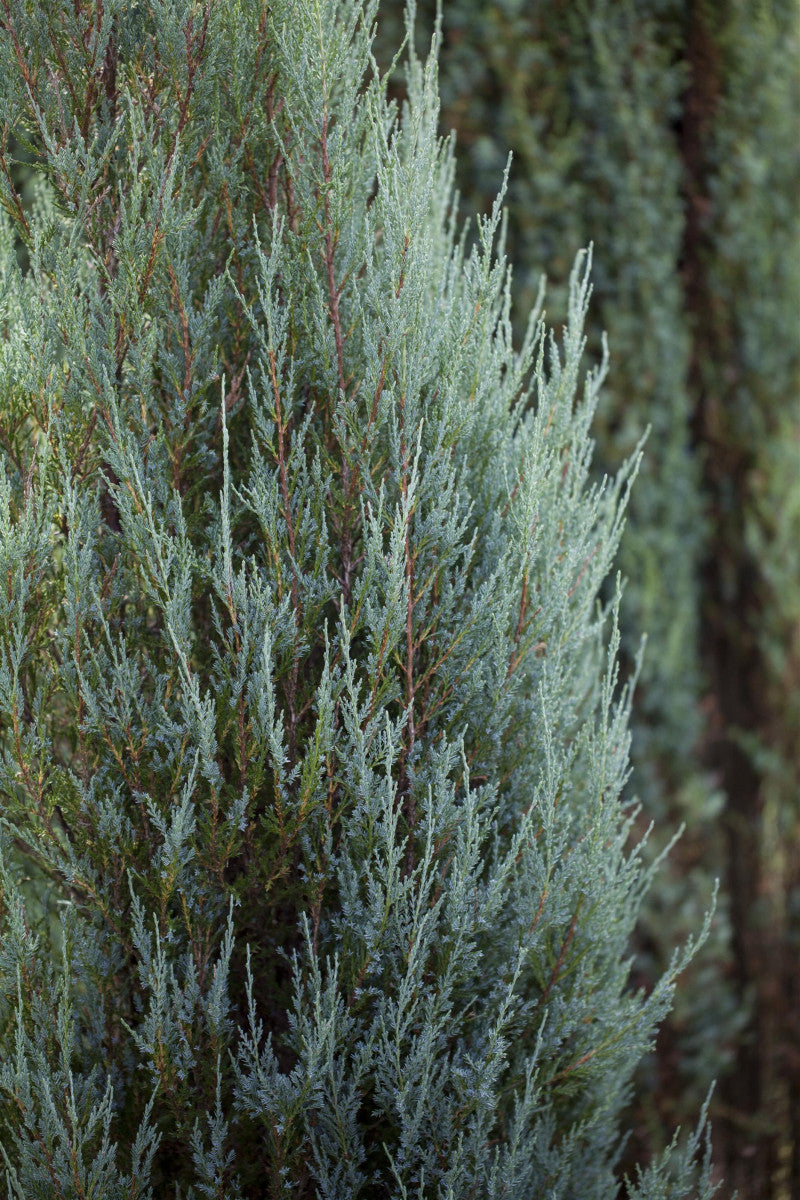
746	1134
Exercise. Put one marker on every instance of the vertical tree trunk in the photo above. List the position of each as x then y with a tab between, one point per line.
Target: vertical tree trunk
732	603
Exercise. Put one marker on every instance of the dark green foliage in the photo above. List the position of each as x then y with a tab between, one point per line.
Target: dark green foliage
309	717
744	286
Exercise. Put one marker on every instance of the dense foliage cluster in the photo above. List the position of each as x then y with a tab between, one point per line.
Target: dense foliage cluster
589	97
317	877
666	133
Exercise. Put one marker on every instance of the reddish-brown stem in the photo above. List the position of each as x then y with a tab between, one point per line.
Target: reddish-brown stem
194	53
579	1062
560	961
539	911
18	213
76	466
409	802
331	239
514	661
349	480
287	513
582	571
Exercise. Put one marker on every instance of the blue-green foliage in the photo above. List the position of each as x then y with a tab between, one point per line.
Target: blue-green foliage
589	95
308	711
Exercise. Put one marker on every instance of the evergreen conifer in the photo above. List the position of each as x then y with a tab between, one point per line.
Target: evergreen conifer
316	877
